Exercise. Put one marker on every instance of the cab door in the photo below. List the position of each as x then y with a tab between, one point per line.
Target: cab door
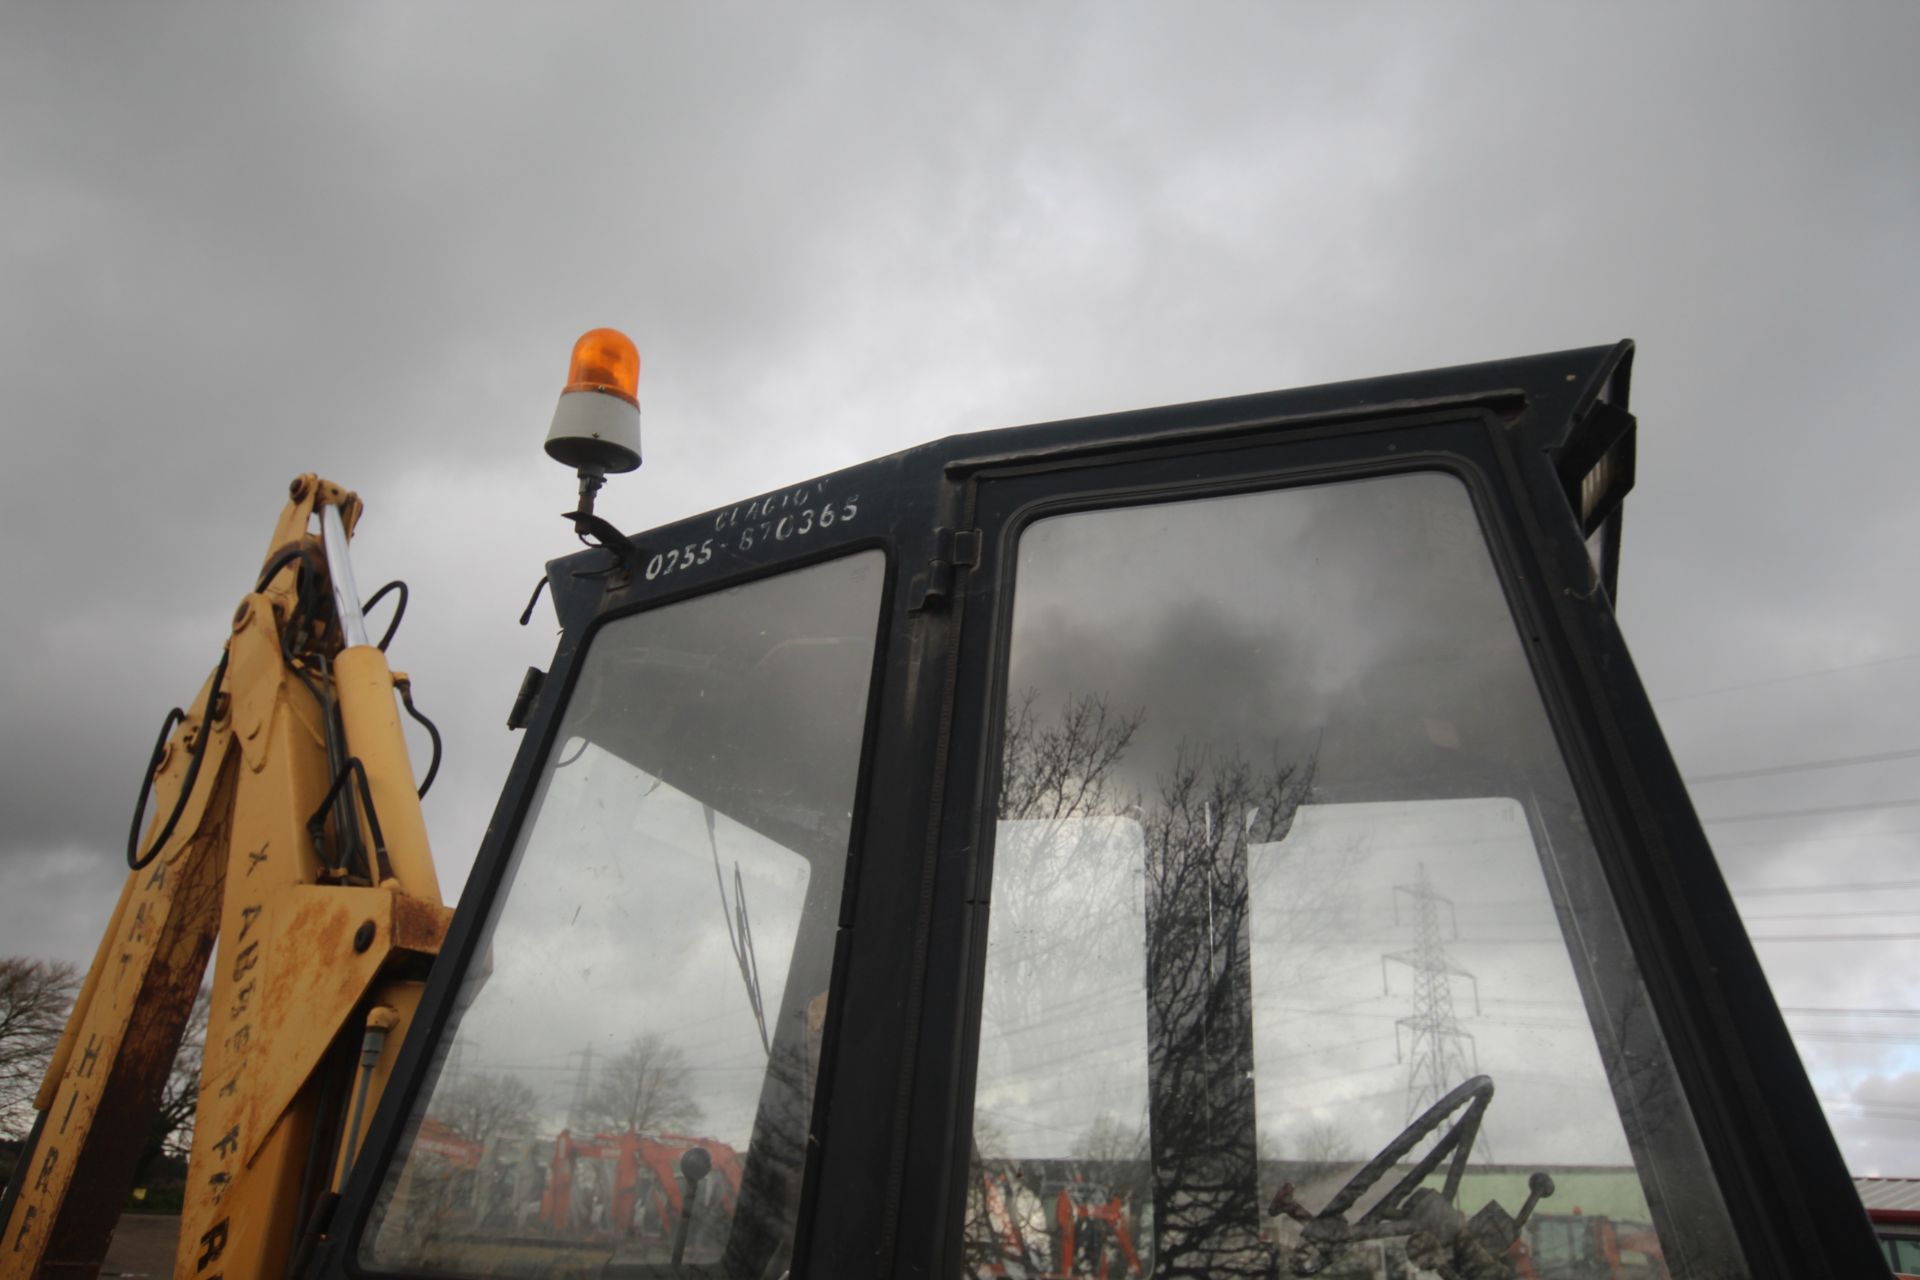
1316	895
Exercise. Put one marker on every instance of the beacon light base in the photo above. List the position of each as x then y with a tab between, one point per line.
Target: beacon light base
595	431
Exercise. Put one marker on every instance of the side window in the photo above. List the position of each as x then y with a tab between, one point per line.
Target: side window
629	1077
1299	953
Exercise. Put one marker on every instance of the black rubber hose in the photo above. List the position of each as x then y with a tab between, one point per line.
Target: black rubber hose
433	733
399	610
381	868
287	556
138	860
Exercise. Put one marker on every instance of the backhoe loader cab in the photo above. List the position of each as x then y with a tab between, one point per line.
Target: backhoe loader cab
1218	840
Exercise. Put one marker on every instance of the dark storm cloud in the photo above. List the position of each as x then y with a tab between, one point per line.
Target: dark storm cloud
356	240
318	249
1360	624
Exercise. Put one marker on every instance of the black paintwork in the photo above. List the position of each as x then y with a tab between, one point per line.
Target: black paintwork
883	1191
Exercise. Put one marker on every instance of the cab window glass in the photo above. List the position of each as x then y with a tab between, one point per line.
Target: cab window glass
628	1080
1299	953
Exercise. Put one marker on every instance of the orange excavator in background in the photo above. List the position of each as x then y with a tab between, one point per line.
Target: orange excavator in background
1589	1245
642	1191
1089	1234
1093	1228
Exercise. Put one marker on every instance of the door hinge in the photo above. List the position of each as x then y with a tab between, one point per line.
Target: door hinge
952	549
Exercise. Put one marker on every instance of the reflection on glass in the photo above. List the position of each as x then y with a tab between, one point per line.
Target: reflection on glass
1299	954
628	1080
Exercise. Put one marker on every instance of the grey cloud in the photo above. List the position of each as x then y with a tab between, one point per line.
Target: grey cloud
357	240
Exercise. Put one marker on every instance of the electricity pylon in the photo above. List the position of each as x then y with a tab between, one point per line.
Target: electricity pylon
582	1091
1439	1053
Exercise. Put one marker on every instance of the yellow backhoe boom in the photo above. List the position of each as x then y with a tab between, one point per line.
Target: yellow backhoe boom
286	841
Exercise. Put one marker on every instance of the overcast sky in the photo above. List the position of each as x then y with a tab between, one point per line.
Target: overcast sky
358	239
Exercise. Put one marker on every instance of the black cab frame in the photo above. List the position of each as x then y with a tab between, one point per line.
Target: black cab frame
1142	844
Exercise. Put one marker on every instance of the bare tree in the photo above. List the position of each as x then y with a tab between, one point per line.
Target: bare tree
1063	768
1310	1155
35	996
486	1105
645	1088
1060	889
1209	812
1006	1229
1057	890
170	1136
1115	1153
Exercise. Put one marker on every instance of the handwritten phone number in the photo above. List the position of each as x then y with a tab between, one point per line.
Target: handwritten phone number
744	533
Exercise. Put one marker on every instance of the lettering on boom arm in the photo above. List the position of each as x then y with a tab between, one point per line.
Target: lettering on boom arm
248	915
243	984
46	1168
212	1244
47	1173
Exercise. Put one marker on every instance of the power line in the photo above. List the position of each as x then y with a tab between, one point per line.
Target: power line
1805	766
1029	1123
1335	1102
1547	1004
1856	886
1857	1037
1818	811
1835	937
1786	679
1889	1105
1828	839
1795	1011
1894	1112
1302	1082
1833	915
1757	937
1782	915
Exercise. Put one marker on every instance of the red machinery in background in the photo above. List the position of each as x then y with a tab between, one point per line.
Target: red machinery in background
1589	1245
449	1144
1090	1231
1091	1221
635	1191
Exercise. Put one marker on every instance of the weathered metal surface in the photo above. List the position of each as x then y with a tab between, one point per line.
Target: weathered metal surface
255	646
123	1045
297	963
371	713
289	980
314	979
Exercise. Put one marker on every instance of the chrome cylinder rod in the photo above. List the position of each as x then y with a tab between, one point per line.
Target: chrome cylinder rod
346	596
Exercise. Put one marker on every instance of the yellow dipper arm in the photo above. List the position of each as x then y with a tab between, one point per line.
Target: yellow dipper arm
318	939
